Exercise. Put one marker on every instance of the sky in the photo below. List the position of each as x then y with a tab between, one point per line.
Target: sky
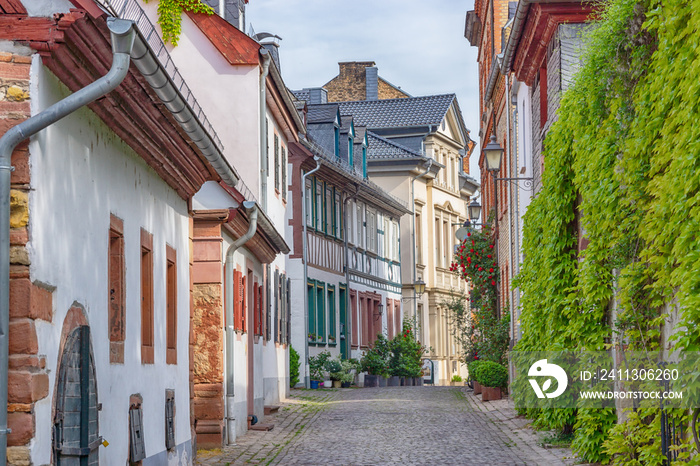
418	45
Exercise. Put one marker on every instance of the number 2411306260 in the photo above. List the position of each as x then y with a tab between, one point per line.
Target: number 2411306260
630	374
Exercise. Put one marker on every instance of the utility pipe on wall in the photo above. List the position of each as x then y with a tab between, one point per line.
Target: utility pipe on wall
306	268
509	146
252	211
348	323
264	169
122	33
413	236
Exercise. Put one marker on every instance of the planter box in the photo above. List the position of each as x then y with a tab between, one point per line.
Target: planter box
345	385
477	387
394	381
419	381
490	393
336	384
371	381
314	384
382	381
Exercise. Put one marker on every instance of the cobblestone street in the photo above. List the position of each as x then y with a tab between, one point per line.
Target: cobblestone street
394	425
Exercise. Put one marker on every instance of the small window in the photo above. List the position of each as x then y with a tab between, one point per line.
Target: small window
350	152
336	132
116	290
338	216
329	211
147	356
331	315
318	206
283	160
171	305
309	198
364	161
320	313
277	162
311	300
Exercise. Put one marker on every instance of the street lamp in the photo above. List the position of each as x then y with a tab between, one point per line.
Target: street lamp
474	209
419	288
493	153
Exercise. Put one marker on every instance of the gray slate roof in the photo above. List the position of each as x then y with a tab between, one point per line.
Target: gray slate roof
389	113
382	148
322	113
302	94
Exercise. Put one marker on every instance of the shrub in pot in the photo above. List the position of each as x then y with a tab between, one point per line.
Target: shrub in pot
375	360
473	368
492	376
317	366
405	360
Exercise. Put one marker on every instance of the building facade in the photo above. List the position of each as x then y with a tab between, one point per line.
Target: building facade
417	152
345	262
528	55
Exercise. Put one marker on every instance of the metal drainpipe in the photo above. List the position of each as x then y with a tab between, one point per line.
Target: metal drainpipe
413	239
263	133
230	415
518	219
510	208
122	33
306	268
348	326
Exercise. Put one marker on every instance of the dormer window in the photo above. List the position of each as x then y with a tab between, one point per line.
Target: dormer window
364	161
336	131
350	151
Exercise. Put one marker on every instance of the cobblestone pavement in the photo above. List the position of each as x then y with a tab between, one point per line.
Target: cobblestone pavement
393	425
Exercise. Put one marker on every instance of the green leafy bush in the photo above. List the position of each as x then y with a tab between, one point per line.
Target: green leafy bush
492	374
457	378
473	368
293	367
334	367
375	361
318	364
406	354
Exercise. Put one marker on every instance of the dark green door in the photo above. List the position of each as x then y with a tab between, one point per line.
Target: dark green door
344	338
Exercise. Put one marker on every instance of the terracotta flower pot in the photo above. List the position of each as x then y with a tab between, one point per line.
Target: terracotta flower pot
477	388
491	393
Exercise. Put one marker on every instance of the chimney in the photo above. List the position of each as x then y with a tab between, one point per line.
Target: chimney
271	44
318	95
371	83
233	12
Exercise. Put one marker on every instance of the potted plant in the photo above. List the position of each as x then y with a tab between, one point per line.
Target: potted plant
312	337
347	376
473	370
405	363
492	377
457	380
317	366
331	339
334	367
374	361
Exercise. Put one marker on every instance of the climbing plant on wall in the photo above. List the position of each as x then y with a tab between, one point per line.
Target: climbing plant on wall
623	162
170	16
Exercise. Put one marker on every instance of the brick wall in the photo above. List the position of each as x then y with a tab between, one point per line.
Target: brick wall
28	379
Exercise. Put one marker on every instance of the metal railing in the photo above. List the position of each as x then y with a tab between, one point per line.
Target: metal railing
131	10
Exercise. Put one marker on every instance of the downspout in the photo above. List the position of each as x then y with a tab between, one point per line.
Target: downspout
518	219
252	211
413	239
122	33
264	170
305	255
348	326
510	209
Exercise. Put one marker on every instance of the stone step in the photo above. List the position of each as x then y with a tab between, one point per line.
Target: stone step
262	426
271	409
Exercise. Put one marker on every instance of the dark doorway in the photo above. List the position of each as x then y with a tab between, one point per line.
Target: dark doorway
76	431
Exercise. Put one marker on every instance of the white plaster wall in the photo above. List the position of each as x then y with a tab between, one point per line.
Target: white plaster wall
82	172
229	96
243	259
295	269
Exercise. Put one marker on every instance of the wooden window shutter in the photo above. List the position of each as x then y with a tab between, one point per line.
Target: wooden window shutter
237	324
289	312
260	307
244	302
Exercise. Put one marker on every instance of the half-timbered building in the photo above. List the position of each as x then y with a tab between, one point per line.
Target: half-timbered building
345	261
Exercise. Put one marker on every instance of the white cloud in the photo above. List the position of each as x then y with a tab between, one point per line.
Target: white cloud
417	45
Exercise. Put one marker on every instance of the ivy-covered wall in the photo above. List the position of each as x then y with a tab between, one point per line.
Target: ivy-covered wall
622	167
